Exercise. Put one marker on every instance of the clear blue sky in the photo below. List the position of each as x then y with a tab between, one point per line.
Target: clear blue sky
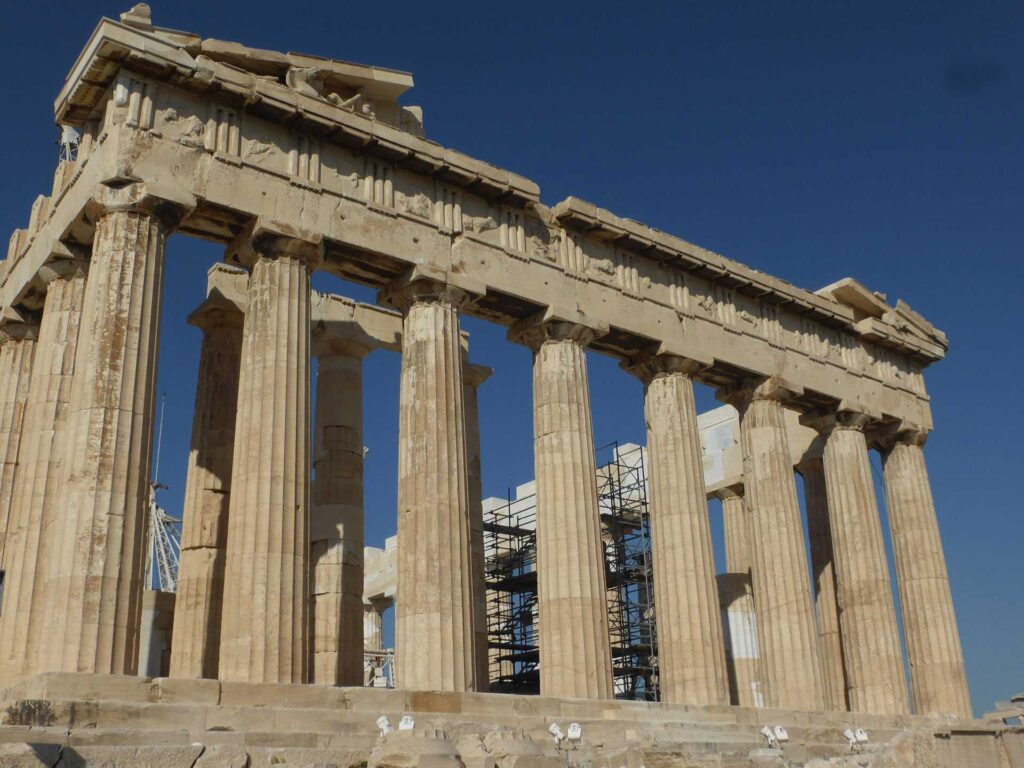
809	140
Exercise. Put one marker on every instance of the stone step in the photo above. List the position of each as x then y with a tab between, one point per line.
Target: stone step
311	726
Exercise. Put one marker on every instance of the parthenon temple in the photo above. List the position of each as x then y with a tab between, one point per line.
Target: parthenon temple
296	163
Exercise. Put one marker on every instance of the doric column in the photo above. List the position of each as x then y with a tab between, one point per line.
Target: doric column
575	652
782	591
872	659
740	626
265	628
195	649
434	619
739	549
830	645
736	594
373	626
95	575
17	349
937	678
691	646
473	377
336	520
41	457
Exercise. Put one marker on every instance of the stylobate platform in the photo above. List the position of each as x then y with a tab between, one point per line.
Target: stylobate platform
70	719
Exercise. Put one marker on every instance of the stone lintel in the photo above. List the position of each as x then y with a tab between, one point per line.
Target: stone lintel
165	200
229	282
276	240
340	319
425	282
558	324
379	603
332	317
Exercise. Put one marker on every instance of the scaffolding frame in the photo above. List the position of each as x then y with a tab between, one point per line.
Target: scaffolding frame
510	544
625	527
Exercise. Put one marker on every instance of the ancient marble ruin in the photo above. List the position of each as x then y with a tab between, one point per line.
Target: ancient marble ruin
296	163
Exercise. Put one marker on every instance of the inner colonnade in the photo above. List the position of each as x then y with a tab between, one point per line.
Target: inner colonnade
249	149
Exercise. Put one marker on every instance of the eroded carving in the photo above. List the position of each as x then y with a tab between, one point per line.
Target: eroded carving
478	224
417	205
192	135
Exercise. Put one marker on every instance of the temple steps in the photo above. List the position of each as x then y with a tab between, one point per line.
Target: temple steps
96	712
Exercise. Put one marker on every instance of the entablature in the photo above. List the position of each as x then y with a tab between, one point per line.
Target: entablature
378	217
116	47
675	252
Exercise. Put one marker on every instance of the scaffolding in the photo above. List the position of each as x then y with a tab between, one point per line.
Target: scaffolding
511	572
510	544
625	526
379	668
164	532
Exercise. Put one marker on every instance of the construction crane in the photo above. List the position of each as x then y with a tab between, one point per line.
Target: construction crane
164	531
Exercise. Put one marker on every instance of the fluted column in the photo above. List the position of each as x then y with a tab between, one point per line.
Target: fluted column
739	549
336	523
872	659
937	678
373	626
740	626
782	590
195	647
41	457
691	646
575	652
736	594
265	629
17	350
830	645
473	377
434	618
96	572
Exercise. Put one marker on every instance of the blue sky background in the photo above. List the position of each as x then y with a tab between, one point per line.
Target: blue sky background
810	140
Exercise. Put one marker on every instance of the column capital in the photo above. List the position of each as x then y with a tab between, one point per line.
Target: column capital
741	393
841	416
166	201
62	269
327	343
424	283
885	437
67	260
809	464
556	324
473	375
657	362
18	324
734	491
217	311
266	238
